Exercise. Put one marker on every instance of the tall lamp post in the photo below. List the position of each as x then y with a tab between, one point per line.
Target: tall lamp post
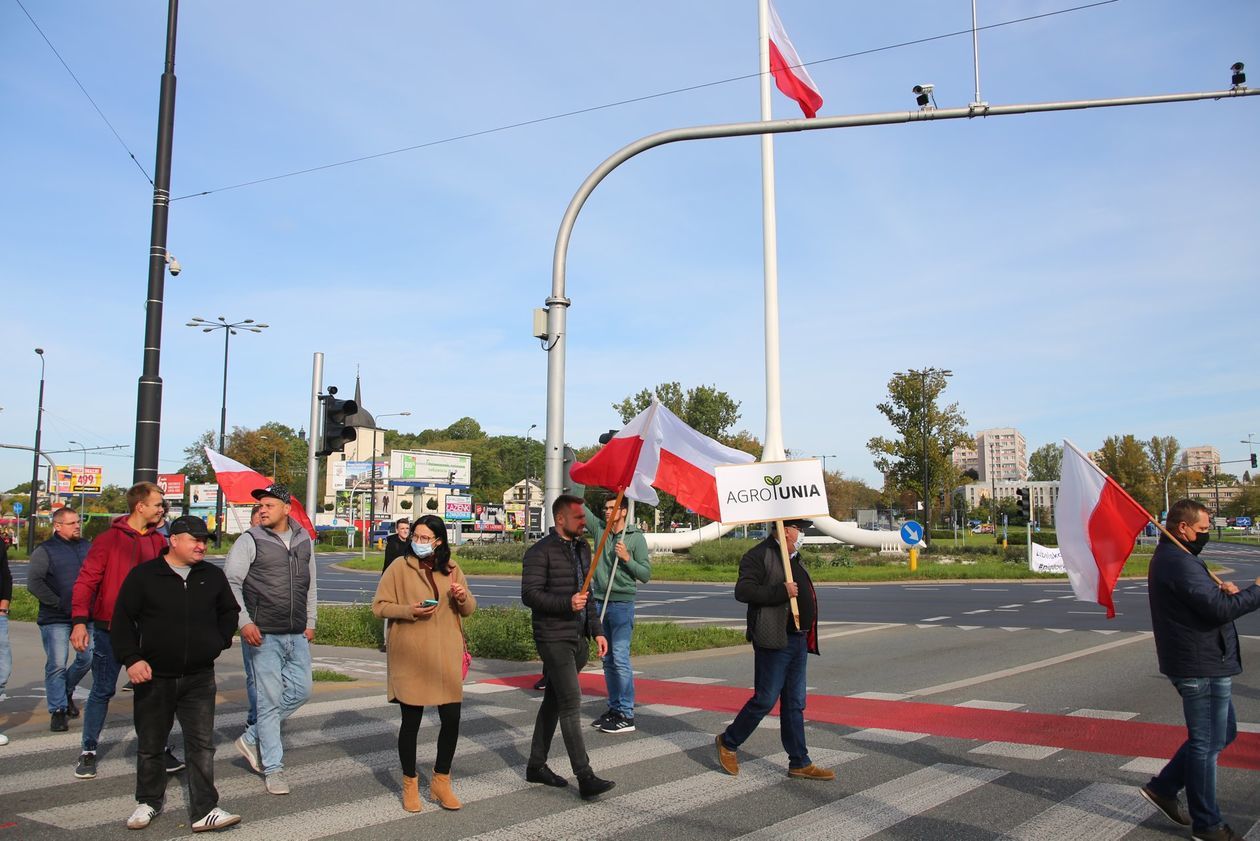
229	329
923	375
39	431
529	491
82	447
372	468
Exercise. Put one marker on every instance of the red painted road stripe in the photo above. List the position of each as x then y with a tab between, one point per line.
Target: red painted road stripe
1119	738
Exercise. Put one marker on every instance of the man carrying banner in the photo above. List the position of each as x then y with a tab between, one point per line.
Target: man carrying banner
1196	641
779	651
622	565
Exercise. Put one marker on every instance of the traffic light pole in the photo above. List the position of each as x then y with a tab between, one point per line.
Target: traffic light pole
312	440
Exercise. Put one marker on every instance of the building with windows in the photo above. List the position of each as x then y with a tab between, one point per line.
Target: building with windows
1197	458
966	458
1044	495
1002	454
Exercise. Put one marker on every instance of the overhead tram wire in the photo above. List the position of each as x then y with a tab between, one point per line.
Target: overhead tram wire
121	142
630	101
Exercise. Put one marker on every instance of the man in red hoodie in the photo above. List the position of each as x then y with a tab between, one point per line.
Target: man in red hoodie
130	541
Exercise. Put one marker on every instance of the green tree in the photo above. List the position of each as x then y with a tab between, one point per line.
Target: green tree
1045	463
1124	458
923	429
845	496
1161	452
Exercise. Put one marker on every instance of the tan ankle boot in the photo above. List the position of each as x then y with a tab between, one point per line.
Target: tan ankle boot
411	794
441	794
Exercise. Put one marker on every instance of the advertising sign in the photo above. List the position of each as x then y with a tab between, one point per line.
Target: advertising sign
1046	559
490	518
359	474
515	512
459	507
84	480
771	490
203	496
422	467
172	485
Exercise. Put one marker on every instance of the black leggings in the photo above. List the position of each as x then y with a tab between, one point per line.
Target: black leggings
447	737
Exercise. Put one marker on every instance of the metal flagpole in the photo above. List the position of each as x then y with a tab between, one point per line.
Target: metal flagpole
773	450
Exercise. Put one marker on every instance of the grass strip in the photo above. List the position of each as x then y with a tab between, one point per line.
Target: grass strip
329	676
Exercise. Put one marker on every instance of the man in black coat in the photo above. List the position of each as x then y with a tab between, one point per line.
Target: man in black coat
1197	644
779	651
173	617
552	574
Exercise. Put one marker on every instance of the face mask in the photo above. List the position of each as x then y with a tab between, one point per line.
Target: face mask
1196	546
422	550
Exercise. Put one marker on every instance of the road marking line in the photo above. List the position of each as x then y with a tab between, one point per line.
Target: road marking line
1145	765
1110	715
881	696
864	630
485	688
669	710
1013	750
990	705
1041	601
1100	812
1010	606
697	680
1029	667
1248	727
974	612
885	736
880	807
935	618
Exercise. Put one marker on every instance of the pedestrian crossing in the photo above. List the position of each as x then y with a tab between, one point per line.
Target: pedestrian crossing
342	765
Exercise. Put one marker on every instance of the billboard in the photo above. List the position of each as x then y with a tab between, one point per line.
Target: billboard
459	507
84	480
203	496
358	475
490	518
172	485
423	467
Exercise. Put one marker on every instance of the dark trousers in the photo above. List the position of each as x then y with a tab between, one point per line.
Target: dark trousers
778	675
157	704
561	704
448	737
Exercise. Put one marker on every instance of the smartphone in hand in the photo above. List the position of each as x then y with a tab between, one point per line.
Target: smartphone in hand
429	602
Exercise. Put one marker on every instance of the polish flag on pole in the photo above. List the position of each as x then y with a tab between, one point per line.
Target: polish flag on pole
1097	523
657	450
789	71
237	482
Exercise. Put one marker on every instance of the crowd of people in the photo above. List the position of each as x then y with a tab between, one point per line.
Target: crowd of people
140	598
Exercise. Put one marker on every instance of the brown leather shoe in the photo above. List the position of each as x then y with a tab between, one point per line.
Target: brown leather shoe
812	772
726	757
440	792
411	794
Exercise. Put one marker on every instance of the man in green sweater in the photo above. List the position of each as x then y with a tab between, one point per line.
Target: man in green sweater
627	545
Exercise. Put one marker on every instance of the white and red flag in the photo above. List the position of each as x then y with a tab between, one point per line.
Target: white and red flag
657	450
789	72
237	482
1097	523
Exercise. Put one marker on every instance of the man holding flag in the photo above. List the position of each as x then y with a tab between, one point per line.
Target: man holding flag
1193	616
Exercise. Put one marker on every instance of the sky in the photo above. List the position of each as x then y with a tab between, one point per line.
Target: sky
1083	274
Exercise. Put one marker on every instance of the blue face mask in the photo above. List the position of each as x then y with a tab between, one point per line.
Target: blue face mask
422	550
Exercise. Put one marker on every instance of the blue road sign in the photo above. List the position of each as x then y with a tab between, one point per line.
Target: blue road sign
911	532
1241	522
17	508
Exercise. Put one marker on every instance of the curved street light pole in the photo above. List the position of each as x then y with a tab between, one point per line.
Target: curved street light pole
229	329
82	447
39	430
372	472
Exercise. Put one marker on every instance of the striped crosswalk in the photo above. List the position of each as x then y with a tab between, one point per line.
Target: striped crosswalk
342	765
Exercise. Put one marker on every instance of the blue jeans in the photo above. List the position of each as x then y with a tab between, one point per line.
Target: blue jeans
618	677
6	653
104	682
778	675
1209	712
247	657
282	680
59	681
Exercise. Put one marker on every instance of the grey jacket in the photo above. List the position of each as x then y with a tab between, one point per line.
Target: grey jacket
274	583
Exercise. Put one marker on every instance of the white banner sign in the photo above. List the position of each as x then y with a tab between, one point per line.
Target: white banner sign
200	496
772	490
337	470
1046	559
422	467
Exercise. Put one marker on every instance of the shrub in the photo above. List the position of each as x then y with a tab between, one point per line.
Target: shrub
501	633
514	552
352	625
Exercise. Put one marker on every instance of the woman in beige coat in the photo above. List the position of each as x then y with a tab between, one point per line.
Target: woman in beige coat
426	649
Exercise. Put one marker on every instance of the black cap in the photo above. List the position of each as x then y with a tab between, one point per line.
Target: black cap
798	524
189	524
275	489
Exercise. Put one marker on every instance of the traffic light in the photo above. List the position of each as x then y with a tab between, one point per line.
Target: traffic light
1253	461
567	485
334	434
1022	494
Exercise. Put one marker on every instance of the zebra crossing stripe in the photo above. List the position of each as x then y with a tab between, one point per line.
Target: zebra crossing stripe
878	808
374	811
614	815
1099	812
86	814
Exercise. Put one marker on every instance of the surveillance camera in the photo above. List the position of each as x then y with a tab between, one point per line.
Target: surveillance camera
172	265
923	89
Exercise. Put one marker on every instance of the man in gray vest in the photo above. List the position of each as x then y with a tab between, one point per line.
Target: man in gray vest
271	569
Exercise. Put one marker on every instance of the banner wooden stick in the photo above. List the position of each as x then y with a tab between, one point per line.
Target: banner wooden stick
586	585
787	570
1181	546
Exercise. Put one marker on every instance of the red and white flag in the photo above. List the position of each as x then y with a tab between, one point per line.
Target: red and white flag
789	71
237	482
1097	523
657	450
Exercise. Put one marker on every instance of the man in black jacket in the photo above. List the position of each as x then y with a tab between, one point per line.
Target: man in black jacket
395	547
173	617
1197	644
779	651
552	574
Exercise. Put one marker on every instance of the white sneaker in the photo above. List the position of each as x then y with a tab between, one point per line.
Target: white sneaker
4	740
142	816
251	754
276	783
216	818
